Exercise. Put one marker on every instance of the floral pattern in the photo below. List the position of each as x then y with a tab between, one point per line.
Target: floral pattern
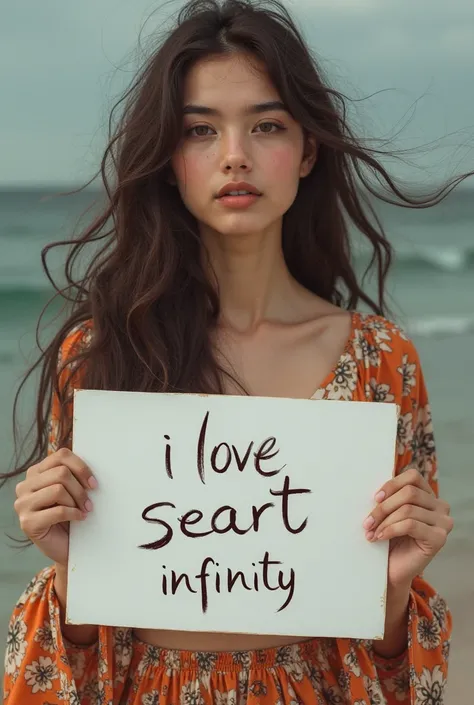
379	364
44	636
16	646
40	674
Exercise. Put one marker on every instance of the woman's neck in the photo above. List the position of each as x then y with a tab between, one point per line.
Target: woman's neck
253	280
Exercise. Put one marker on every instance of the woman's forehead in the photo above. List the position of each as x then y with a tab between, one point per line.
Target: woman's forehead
228	80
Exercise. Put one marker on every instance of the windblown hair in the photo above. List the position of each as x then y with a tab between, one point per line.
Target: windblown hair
152	305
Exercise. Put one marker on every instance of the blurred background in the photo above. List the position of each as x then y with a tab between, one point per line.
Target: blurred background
62	67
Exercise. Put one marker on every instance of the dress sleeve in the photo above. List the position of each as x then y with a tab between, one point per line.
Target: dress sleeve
68	375
418	676
40	665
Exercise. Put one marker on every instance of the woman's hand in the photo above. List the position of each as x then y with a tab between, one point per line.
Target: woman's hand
417	524
54	493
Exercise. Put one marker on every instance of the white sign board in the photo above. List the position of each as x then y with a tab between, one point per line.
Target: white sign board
230	514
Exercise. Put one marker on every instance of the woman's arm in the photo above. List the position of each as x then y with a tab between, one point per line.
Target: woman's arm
80	635
395	640
83	634
412	659
39	663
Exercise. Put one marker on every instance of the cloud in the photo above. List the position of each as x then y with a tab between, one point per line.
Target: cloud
62	64
458	41
334	5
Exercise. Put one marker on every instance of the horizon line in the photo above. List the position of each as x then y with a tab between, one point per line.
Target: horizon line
62	187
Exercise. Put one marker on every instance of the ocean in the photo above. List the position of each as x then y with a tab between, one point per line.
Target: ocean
431	290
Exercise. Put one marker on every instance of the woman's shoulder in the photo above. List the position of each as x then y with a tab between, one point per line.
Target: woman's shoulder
76	340
384	334
385	361
380	343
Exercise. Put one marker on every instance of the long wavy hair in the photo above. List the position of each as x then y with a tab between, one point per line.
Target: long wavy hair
145	289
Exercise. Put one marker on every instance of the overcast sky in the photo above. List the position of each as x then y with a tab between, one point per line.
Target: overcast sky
63	63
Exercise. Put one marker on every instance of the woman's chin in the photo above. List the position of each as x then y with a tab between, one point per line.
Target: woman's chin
243	225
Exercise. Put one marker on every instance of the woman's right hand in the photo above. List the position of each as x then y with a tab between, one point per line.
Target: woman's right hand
54	493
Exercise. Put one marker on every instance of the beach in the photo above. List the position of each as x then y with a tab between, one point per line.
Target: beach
431	294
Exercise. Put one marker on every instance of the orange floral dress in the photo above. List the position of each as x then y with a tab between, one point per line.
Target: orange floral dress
378	364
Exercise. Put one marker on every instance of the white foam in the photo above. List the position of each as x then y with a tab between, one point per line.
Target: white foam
441	326
445	258
450	259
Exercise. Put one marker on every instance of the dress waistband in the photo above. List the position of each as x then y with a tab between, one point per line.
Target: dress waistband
290	656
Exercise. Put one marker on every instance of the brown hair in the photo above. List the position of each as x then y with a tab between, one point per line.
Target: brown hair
153	309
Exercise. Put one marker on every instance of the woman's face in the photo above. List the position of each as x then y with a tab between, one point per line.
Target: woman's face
226	139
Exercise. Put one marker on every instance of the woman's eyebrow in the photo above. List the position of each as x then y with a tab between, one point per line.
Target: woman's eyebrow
250	109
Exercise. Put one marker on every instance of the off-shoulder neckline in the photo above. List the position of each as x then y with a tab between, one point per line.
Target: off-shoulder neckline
347	350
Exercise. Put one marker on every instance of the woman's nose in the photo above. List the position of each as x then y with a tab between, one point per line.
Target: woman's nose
235	154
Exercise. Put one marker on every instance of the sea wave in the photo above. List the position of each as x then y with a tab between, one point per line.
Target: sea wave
453	259
21	259
448	259
440	326
23	282
28	276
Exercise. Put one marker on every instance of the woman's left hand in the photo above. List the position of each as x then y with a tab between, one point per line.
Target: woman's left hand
416	522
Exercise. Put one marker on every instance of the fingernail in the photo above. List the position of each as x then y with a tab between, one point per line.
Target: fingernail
93	483
370	521
88	505
379	496
370	535
379	536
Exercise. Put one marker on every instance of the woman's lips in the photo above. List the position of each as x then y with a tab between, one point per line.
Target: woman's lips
238	201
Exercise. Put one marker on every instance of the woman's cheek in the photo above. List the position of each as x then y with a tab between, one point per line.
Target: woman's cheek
283	174
191	169
283	164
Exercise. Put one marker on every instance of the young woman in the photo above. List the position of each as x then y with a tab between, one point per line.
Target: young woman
197	289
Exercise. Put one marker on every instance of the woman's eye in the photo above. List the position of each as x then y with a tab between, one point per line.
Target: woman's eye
200	130
198	127
270	124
